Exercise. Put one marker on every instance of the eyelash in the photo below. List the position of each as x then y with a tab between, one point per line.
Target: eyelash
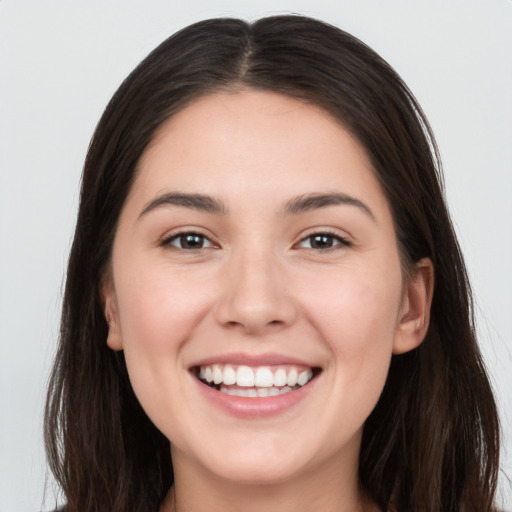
330	240
336	241
181	237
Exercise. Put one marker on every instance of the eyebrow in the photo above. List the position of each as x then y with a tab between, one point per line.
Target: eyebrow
315	201
199	202
298	205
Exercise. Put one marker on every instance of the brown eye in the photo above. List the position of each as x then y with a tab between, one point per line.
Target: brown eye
323	241
189	241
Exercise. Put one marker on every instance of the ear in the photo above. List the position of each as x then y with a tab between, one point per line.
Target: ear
108	296
414	315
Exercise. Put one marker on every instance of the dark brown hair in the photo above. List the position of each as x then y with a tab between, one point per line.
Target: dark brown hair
432	442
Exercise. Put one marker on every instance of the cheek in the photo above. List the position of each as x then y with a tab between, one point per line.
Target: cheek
356	314
157	309
356	302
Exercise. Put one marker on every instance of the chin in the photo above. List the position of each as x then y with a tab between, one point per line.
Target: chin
250	473
252	465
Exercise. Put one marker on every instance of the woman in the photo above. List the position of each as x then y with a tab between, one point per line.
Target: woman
266	307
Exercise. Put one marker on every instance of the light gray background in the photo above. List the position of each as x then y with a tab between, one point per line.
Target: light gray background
61	61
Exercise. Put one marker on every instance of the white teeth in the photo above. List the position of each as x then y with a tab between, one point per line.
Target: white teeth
280	377
245	377
217	374
229	375
255	392
264	378
293	375
304	377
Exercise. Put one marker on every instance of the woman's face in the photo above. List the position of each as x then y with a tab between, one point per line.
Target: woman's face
256	250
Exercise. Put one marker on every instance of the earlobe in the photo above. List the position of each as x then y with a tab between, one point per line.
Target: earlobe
414	316
114	339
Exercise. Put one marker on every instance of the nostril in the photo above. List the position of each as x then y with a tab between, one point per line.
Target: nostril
254	298
232	323
275	324
253	326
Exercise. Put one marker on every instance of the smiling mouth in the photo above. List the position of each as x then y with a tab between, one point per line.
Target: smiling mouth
262	381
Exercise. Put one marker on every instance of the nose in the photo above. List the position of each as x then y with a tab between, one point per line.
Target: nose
255	295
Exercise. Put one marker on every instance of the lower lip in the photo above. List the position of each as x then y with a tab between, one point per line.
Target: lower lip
256	407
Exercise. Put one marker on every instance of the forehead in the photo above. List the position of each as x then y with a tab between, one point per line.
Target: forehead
252	144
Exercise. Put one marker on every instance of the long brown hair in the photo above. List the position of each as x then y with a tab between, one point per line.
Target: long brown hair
432	442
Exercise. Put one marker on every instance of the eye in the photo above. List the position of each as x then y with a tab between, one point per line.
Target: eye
188	241
323	242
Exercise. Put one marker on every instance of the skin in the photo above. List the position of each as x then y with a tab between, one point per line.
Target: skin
260	285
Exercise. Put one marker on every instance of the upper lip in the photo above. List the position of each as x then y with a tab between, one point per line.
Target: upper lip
253	360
